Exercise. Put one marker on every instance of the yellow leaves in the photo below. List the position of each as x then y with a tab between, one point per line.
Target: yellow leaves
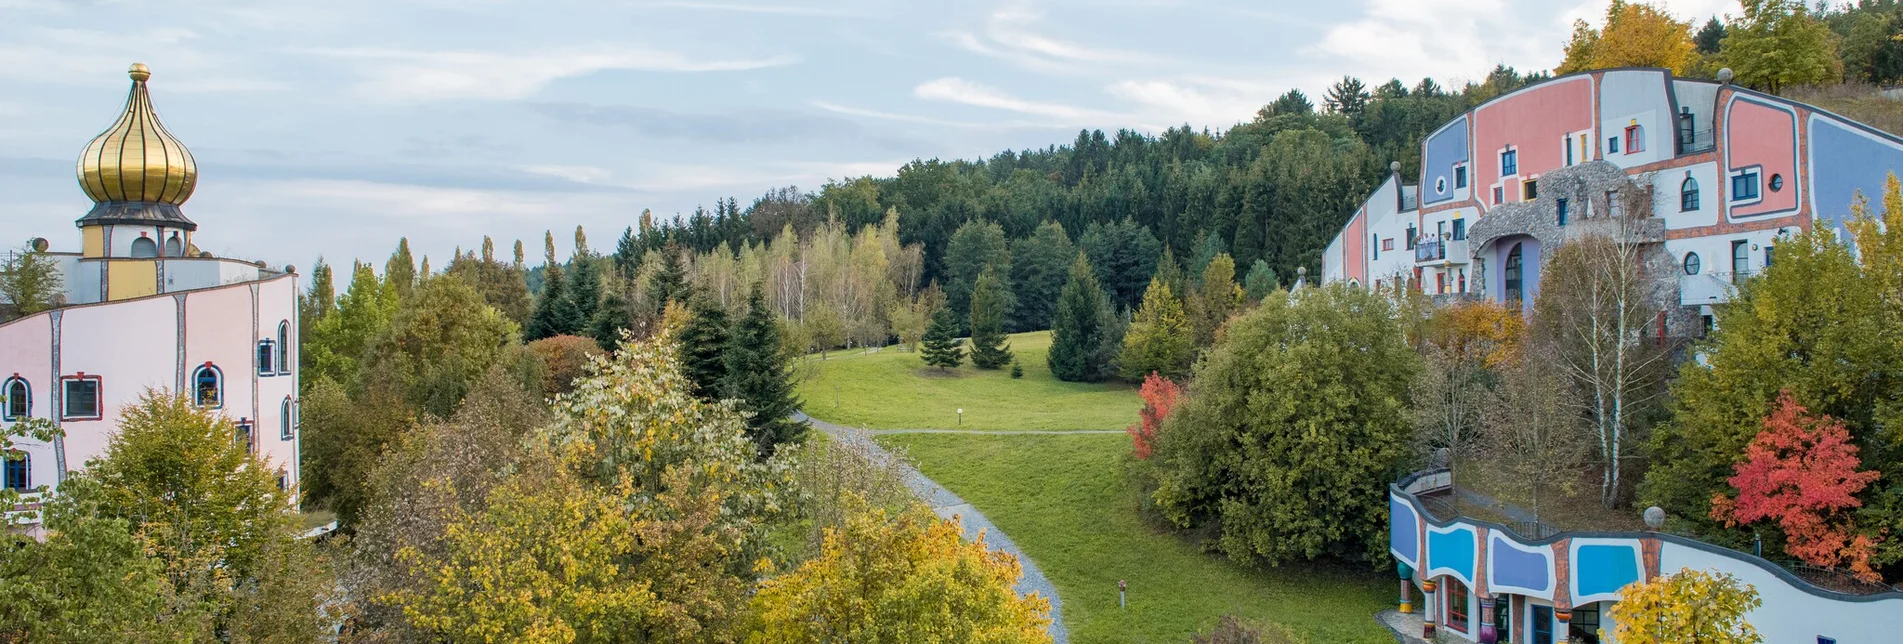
910	578
1687	606
1634	35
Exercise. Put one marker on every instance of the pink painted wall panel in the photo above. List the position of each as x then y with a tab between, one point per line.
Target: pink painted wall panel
1354	248
1758	134
277	303
26	350
1534	121
218	330
133	345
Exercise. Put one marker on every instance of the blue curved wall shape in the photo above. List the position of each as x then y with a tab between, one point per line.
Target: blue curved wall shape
1452	551
1600	569
1844	161
1513	567
1444	149
1403	537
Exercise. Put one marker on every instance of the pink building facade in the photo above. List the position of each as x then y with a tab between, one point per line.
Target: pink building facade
144	310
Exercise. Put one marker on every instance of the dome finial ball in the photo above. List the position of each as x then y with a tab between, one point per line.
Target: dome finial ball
139	72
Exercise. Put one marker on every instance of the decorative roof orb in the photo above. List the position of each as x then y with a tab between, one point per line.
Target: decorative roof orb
136	160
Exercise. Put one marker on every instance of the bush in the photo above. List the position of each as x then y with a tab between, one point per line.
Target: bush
564	358
1017	368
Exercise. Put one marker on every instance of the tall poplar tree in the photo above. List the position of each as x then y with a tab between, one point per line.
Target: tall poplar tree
399	273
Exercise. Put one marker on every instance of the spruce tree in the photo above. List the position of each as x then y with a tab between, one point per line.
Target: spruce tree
989	301
703	347
1078	333
584	290
613	315
670	283
940	346
1159	340
760	376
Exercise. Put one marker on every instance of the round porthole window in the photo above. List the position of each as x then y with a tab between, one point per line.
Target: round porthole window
1777	182
1692	265
1440	184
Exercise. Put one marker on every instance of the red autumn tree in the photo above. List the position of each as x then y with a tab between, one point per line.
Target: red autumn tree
1801	471
1159	397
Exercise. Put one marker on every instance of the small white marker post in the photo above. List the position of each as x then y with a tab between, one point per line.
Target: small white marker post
1121	587
961	417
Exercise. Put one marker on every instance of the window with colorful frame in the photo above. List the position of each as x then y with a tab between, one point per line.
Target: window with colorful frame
284	348
19	395
208	387
243	435
267	357
80	398
1509	162
1688	195
1634	139
1457	604
287	418
19	471
1460	176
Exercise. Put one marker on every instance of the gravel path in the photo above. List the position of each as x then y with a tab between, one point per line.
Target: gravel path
993	431
948	505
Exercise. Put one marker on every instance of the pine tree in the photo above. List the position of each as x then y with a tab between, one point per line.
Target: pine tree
1260	281
584	290
760	376
703	347
940	347
989	300
1077	335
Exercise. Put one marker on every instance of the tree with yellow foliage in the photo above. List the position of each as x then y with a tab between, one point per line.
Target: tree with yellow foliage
1636	34
909	578
1687	607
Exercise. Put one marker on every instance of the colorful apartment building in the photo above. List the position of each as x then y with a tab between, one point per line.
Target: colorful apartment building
144	309
1724	171
1486	582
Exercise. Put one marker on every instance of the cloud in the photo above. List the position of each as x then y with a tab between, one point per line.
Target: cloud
784	9
1443	38
403	75
1010	34
959	90
87	57
738	126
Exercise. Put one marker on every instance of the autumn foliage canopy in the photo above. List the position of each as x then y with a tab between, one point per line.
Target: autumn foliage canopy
1801	471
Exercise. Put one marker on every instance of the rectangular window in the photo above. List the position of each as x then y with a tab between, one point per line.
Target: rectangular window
1744	186
243	435
1457	604
1634	139
19	472
1499	195
1612	145
1569	151
266	355
1460	176
1740	260
1374	244
1531	189
1613	207
1562	207
1768	255
1584	626
1412	237
81	397
1460	229
1509	163
1387	244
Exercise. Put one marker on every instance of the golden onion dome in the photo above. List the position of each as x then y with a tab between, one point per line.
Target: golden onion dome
136	160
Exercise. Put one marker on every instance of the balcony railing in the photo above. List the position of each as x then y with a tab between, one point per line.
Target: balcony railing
1429	251
1700	141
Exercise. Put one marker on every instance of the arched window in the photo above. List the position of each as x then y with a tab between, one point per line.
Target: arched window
1688	195
208	387
19	399
286	419
145	247
284	347
174	247
19	471
1514	286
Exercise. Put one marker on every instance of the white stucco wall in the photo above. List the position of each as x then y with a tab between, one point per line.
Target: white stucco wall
1639	98
1793	615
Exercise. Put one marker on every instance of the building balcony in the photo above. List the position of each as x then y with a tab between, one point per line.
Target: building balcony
1441	251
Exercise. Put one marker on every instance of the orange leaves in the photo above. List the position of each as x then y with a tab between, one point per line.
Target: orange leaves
1159	396
1801	471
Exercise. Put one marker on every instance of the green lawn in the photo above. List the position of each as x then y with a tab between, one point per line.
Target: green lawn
893	389
1065	501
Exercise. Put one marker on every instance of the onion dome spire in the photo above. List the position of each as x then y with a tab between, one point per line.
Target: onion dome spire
136	170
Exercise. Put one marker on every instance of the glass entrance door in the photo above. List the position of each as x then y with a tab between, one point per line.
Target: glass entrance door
1542	624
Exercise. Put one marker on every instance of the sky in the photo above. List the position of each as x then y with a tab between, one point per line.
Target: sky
332	128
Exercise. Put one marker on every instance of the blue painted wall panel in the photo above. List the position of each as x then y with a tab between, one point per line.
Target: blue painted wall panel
1602	569
1403	537
1444	149
1452	550
1515	567
1845	160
